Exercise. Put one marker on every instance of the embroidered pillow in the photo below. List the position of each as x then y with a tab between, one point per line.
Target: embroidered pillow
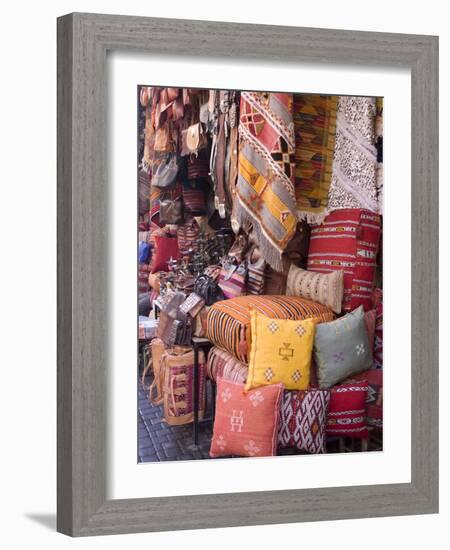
245	423
347	411
341	348
374	401
302	420
280	351
325	288
348	240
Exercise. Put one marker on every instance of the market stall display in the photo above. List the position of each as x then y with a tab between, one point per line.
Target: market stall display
260	227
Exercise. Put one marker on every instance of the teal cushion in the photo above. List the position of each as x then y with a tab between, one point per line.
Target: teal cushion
341	348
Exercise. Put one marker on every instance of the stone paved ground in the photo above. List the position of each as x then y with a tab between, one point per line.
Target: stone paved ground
159	442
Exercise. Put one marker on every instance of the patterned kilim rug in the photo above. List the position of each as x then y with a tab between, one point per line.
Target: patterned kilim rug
354	180
265	187
315	131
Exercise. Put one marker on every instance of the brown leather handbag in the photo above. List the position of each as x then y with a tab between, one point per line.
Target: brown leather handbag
165	171
171	211
193	139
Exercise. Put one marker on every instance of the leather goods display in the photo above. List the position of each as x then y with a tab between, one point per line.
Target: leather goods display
192	305
166	171
143	192
188	234
154	281
239	247
232	280
177	366
198	166
171	211
193	139
173	327
200	322
208	289
194	200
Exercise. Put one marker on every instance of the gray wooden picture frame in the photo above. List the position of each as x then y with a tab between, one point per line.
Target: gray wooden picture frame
83	42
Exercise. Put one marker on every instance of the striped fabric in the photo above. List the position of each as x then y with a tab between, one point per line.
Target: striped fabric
255	276
315	132
348	240
222	364
228	323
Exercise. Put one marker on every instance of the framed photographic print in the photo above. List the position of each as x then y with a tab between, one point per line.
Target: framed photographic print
247	274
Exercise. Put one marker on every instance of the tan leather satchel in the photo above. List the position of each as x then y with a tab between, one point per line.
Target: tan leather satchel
193	139
178	385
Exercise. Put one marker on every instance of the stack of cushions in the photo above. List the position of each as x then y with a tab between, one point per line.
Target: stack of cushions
341	348
348	241
246	423
222	364
228	322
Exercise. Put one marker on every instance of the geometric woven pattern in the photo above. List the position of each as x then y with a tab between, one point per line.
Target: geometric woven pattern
302	420
315	130
354	178
374	401
347	241
265	187
347	411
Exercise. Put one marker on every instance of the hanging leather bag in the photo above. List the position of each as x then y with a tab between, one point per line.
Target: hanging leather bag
166	171
171	211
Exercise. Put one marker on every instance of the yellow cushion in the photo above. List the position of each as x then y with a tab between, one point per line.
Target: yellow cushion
280	352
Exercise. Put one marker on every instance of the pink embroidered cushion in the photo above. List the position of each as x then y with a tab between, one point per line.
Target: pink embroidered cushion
246	424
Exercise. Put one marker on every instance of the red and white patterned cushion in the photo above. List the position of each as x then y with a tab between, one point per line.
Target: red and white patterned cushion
374	400
348	240
302	420
347	411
